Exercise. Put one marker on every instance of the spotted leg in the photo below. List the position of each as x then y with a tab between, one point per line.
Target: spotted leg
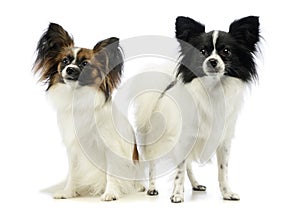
178	191
223	157
152	191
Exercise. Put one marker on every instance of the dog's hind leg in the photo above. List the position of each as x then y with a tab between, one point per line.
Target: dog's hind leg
196	186
178	191
152	191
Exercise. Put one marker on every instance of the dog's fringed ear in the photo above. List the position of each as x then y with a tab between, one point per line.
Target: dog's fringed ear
48	47
109	55
109	41
186	28
246	31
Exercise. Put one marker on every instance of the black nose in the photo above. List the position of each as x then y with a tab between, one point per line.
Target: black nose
71	70
213	62
72	73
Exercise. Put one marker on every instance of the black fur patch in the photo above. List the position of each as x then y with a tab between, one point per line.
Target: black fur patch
241	40
171	85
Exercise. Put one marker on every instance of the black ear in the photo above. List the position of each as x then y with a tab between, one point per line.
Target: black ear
246	31
187	28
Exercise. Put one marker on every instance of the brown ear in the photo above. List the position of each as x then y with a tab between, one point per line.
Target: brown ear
109	55
112	41
48	47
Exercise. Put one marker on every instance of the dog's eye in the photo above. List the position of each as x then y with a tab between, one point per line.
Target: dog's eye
84	63
226	52
66	61
203	51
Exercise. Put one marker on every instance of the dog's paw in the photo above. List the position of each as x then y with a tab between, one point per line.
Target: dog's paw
140	188
177	198
231	196
63	194
109	197
152	192
199	188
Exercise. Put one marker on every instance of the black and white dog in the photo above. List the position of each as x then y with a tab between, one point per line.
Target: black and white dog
215	68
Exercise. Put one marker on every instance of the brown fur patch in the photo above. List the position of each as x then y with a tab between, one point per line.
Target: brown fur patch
105	60
135	153
108	57
50	45
85	54
100	71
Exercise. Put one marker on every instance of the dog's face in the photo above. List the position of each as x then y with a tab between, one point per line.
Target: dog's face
81	66
214	54
72	62
217	53
59	61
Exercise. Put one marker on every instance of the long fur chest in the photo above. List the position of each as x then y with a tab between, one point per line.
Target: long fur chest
77	110
218	102
91	127
217	99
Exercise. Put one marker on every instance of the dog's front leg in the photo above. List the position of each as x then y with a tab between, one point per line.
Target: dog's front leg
112	191
223	157
69	190
178	191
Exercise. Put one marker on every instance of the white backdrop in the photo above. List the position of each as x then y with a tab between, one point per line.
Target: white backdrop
264	167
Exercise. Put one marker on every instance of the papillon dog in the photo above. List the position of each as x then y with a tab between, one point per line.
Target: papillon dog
80	83
215	68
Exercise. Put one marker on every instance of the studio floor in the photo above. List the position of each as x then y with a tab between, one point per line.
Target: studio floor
254	198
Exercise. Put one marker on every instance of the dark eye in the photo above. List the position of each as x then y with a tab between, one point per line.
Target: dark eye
84	63
226	52
203	51
66	61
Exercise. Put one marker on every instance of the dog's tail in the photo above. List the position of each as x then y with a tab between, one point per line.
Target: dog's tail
144	106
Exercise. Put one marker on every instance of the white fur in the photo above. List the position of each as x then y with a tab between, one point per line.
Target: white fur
218	102
215	37
157	131
214	55
73	104
72	64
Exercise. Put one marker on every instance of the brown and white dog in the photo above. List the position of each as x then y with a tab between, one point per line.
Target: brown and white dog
80	82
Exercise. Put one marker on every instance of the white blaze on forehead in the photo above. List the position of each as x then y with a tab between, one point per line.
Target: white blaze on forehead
220	68
215	36
75	51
